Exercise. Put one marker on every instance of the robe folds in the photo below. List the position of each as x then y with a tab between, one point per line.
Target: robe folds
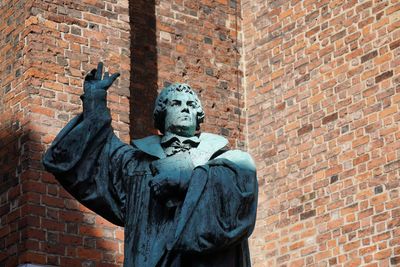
209	227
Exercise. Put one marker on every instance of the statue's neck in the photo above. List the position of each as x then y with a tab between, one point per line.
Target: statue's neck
180	134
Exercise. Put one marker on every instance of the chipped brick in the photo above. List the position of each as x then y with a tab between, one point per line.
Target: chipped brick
302	79
334	179
312	16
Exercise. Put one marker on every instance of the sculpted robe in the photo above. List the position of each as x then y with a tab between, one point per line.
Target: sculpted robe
209	227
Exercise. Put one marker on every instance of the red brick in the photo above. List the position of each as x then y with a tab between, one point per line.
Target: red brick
71	240
91	231
88	253
30	256
352	246
108	245
383	254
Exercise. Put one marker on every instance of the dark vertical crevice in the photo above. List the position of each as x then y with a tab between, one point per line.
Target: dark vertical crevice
144	75
10	157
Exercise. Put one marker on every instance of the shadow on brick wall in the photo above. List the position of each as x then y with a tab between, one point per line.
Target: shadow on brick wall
144	75
9	156
11	161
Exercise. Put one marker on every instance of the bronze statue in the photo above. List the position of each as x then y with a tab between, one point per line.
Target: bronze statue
183	198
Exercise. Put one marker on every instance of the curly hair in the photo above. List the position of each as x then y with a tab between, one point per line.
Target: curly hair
160	105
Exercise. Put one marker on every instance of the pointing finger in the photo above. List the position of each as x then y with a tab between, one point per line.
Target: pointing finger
99	72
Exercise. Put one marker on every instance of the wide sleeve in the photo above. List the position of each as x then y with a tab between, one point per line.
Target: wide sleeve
220	207
90	161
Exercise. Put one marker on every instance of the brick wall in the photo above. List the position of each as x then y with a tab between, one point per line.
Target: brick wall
60	41
311	88
14	131
194	42
197	43
50	46
322	81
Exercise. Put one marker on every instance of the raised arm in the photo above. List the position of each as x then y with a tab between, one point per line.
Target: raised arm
87	158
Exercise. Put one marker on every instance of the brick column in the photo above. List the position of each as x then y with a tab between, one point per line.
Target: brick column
14	129
49	47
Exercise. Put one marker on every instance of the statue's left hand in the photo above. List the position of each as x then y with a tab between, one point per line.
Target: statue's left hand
165	188
96	81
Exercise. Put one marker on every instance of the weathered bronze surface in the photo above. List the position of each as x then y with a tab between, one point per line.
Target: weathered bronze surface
183	198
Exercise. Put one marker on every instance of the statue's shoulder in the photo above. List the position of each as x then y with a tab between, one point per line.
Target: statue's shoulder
240	158
212	141
215	142
149	145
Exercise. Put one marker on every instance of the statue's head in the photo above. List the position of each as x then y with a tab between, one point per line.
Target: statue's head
178	110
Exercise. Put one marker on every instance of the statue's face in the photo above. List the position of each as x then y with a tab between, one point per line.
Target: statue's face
181	114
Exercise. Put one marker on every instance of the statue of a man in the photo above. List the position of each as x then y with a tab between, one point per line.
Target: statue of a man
183	198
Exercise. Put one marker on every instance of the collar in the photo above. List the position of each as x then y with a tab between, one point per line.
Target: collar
151	145
170	137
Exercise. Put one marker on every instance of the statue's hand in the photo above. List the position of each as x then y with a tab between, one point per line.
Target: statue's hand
95	80
166	189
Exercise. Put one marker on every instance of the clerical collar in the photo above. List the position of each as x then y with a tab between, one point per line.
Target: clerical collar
169	138
209	143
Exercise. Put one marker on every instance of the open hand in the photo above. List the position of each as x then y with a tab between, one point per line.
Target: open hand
95	79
